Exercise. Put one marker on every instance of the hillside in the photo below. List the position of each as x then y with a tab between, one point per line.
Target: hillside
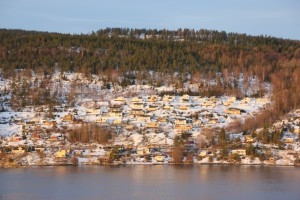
136	96
130	54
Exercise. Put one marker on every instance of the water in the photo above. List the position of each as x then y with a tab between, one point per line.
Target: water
151	182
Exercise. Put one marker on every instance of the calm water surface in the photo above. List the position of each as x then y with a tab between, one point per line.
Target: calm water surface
151	182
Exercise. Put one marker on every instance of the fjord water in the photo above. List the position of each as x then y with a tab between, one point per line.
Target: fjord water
151	182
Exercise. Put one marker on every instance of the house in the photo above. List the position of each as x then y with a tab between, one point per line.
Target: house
205	153
159	158
129	127
68	118
183	107
120	99
248	138
168	98
152	125
152	108
18	150
93	111
180	121
115	114
245	100
40	149
289	140
183	127
144	118
55	137
229	101
102	119
234	111
184	98
197	123
117	121
61	154
115	108
143	151
296	129
30	123
152	98
35	136
208	103
240	152
50	123
166	107
16	138
213	121
135	99
262	100
137	112
162	119
137	105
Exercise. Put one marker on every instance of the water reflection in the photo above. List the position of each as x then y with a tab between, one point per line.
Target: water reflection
151	182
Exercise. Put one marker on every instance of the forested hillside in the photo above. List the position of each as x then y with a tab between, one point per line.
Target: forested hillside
135	52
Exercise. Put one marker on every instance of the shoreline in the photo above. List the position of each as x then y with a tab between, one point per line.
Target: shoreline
148	164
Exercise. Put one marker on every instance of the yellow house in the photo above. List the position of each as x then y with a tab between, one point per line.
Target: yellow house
180	121
93	111
233	111
240	152
121	99
289	140
138	105
229	101
166	107
129	127
50	123
183	107
183	127
296	129
262	100
152	108
117	121
152	125
135	99
115	108
184	98
143	118
246	100
102	119
137	112
61	154
18	151
162	119
152	98
115	114
68	118
143	151
208	103
213	121
197	123
205	153
159	158
168	98
248	138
